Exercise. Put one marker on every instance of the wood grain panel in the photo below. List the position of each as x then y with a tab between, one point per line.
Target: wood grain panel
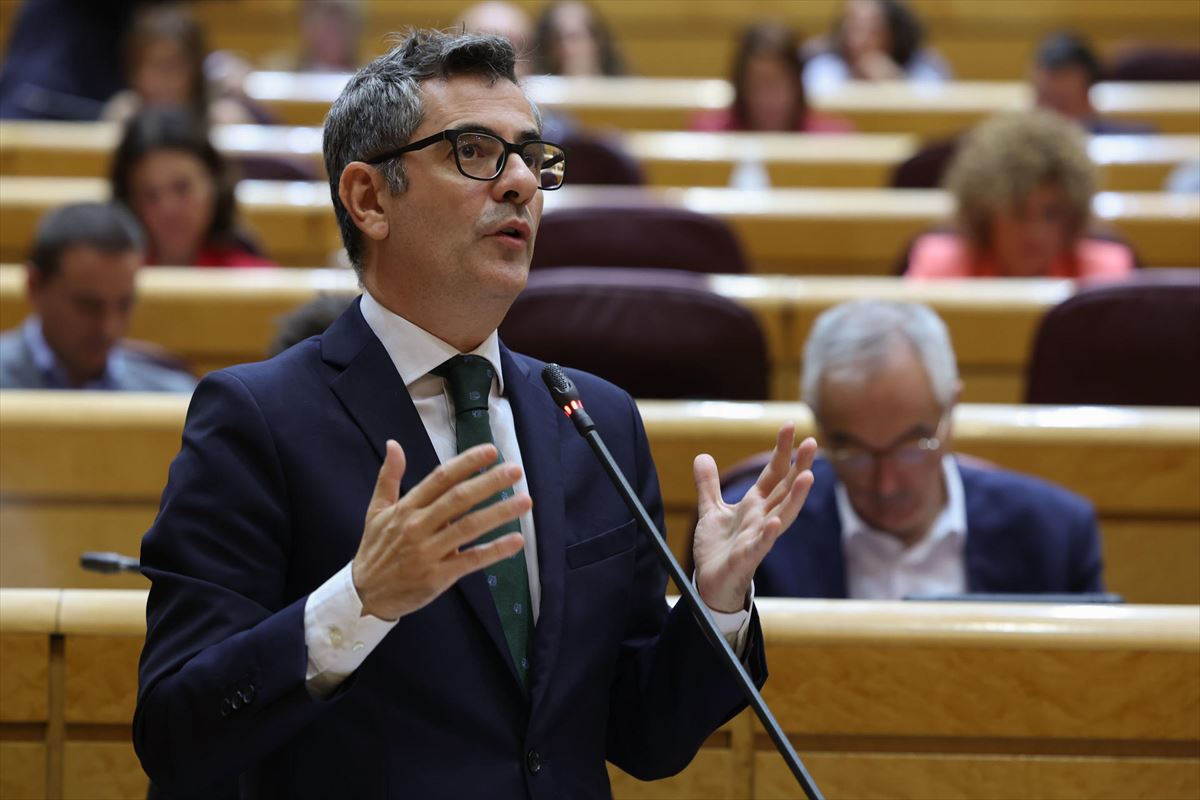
40	543
25	680
852	776
101	679
22	770
102	771
878	690
1152	561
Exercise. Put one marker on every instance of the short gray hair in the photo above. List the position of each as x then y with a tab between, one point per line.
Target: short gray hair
853	340
380	107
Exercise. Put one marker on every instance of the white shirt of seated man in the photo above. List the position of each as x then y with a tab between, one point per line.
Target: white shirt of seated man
880	567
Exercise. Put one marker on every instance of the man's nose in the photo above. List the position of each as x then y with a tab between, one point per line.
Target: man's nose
887	479
113	324
516	183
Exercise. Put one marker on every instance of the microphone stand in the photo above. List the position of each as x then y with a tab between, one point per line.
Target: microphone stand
566	396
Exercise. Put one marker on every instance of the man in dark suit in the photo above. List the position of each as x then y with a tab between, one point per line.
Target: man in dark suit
493	629
892	512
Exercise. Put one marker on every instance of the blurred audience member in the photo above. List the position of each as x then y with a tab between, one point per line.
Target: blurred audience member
164	64
1063	75
892	512
331	31
167	171
768	92
310	319
572	40
1184	179
507	20
62	59
1023	187
502	19
873	40
81	286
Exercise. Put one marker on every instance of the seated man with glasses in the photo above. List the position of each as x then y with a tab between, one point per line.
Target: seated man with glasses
893	513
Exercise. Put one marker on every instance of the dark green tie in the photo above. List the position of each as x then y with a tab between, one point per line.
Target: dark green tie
469	379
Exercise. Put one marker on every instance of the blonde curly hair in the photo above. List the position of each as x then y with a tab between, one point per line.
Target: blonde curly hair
1005	158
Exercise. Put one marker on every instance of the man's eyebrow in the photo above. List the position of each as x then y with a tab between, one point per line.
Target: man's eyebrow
917	431
479	127
476	127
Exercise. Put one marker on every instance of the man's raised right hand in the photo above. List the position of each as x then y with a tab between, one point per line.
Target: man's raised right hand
411	549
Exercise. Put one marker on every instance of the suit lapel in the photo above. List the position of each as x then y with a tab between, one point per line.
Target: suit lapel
540	427
375	397
825	536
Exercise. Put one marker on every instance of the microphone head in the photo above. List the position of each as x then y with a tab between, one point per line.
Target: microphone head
562	388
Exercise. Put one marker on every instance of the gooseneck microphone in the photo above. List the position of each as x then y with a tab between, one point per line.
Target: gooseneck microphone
566	397
108	563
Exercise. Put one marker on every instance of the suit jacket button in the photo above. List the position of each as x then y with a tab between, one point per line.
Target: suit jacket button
235	702
533	761
246	695
226	707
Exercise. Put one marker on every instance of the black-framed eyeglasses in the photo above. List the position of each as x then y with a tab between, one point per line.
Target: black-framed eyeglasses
482	156
859	460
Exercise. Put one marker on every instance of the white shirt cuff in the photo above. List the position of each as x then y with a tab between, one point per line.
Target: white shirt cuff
338	637
736	626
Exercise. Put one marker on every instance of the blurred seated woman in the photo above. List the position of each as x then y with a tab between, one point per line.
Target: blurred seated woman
572	40
164	65
872	40
768	92
1023	187
181	190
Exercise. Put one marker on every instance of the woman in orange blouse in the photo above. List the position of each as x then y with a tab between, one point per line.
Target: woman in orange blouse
1023	186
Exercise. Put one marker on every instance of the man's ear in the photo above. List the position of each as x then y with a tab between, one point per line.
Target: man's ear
361	190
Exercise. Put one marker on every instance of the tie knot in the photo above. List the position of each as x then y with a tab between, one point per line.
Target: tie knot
470	381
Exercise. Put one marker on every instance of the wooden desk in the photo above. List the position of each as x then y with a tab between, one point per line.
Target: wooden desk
669	158
882	699
698	37
671	103
84	471
992	322
865	231
974	701
215	318
294	221
788	231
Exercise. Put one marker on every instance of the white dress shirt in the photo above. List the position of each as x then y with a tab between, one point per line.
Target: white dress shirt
880	567
337	634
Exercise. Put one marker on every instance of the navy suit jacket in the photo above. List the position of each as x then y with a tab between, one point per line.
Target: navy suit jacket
1024	535
266	500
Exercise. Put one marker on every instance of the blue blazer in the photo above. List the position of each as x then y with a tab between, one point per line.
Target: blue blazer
1024	535
266	500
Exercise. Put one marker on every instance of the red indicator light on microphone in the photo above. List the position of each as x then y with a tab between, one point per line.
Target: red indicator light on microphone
576	404
567	409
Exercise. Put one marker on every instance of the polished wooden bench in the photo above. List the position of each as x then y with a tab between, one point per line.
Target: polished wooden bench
84	471
669	158
671	103
787	231
882	699
982	41
215	318
940	701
